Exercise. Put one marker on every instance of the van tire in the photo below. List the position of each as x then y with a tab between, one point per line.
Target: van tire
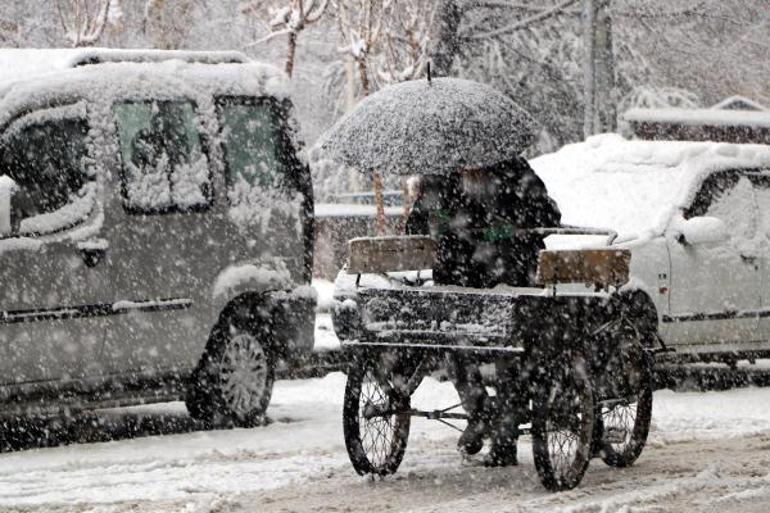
233	382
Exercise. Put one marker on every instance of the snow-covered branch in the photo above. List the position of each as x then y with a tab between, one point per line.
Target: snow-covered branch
286	19
525	23
84	21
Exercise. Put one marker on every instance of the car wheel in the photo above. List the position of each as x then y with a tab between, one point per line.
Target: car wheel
233	382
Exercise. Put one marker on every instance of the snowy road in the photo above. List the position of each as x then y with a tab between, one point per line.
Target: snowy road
707	452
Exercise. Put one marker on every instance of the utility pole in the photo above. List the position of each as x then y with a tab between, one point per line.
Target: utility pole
598	68
447	45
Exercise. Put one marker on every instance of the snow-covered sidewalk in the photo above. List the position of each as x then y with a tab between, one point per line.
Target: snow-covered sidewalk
713	446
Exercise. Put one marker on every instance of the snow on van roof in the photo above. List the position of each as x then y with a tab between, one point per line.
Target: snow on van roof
700	117
634	187
23	64
145	74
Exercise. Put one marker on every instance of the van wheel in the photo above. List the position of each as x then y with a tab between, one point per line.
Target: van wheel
233	382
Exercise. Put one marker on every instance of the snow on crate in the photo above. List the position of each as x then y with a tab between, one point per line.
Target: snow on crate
634	187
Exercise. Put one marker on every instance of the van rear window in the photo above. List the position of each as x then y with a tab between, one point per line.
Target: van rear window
251	131
164	166
256	160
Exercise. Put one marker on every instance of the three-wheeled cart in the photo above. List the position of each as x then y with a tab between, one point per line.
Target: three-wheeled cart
581	361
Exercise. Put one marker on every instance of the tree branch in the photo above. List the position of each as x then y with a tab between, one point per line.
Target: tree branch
554	11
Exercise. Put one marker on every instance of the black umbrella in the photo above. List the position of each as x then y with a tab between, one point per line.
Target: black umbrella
430	127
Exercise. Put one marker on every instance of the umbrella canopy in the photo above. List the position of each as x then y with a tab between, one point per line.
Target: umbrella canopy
430	127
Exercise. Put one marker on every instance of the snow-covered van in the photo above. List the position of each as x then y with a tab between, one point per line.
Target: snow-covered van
696	217
155	231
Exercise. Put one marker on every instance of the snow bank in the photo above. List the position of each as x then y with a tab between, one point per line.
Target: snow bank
325	290
634	187
271	275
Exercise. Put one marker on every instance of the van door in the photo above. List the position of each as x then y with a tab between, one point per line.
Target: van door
162	236
715	287
54	294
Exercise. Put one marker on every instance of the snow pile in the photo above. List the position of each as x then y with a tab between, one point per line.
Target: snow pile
430	128
635	187
325	291
683	416
252	205
269	275
701	229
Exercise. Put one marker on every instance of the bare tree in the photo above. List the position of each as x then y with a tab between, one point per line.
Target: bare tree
9	32
287	19
84	21
598	68
405	48
360	24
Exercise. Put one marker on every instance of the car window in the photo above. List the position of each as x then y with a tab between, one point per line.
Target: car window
761	180
732	200
164	167
257	158
46	154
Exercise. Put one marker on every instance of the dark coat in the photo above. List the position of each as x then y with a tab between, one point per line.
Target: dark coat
479	238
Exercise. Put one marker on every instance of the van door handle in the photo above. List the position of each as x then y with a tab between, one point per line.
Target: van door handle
92	251
748	259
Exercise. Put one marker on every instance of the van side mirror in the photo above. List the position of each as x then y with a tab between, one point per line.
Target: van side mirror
702	230
8	188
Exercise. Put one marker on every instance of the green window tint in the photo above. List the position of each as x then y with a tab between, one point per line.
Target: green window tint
164	167
251	132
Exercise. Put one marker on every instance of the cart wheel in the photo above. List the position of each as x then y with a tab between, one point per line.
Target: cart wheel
624	424
562	425
375	419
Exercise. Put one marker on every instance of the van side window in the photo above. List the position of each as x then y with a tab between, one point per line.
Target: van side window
46	154
164	166
257	157
761	181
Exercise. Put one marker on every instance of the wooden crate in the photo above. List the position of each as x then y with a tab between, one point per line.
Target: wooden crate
599	267
391	254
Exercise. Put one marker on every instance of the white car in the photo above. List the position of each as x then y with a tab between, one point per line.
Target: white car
696	217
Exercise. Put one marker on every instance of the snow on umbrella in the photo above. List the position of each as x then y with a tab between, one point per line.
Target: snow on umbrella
430	127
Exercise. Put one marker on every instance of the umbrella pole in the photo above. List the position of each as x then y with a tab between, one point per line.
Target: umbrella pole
377	183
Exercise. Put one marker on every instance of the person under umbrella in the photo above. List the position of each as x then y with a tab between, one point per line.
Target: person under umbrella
480	219
464	140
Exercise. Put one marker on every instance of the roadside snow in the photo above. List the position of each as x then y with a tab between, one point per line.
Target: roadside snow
304	448
325	290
